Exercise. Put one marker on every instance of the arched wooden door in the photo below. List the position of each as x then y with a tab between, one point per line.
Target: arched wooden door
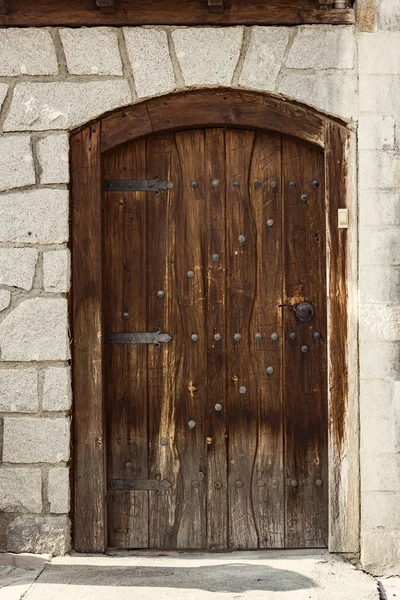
216	438
220	437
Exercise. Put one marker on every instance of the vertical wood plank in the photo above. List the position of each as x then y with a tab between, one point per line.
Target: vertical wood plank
125	294
242	407
304	377
344	513
217	497
266	198
87	352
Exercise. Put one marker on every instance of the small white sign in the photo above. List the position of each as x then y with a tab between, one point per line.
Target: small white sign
343	218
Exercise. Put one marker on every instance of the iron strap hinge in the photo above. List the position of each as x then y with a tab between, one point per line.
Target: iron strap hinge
137	337
120	485
137	185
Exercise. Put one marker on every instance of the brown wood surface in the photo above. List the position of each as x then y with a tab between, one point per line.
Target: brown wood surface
87	353
212	108
304	374
171	12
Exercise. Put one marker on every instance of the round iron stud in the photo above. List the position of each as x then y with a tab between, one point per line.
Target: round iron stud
316	335
125	316
292	185
191	424
218	485
257	185
236	185
195	337
270	222
215	257
304	349
190	274
215	183
128	465
195	484
315	184
194	185
273	183
164	441
304	197
261	483
239	483
241	239
274	336
270	370
161	293
318	483
217	337
242	390
275	483
237	337
293	483
292	335
218	407
258	336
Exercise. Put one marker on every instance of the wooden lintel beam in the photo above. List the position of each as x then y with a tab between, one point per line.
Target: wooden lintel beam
106	6
216	6
3	7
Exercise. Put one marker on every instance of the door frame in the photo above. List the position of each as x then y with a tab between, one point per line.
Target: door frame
187	110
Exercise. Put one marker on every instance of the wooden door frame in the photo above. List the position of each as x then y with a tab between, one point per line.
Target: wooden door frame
187	110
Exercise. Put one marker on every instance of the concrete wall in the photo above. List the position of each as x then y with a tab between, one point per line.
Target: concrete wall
53	80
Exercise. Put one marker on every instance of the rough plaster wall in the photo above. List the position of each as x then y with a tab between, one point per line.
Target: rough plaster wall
379	251
71	77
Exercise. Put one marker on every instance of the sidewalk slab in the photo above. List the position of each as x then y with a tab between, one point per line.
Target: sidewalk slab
18	572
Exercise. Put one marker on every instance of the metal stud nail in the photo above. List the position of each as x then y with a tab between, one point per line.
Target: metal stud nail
209	440
316	335
125	316
215	257
164	441
261	483
190	274
236	184
215	183
292	185
293	483
304	349
217	337
128	465
241	239
292	335
274	336
273	183
318	483
191	424
218	485
237	337
239	483
270	222
258	336
315	183
218	407
242	390
195	337
195	484
161	293
257	185
304	197
270	370
194	184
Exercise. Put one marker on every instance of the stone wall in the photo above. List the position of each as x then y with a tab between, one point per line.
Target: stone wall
52	80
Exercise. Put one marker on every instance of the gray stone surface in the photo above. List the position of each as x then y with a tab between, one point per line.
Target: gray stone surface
91	51
273	575
17	267
36	440
47	533
379	284
379	169
379	322
27	51
53	156
379	360
208	56
379	53
21	490
63	104
3	92
5	299
56	270
389	15
37	216
322	47
380	207
376	132
379	246
387	517
391	585
18	390
37	329
264	56
380	552
333	92
57	389
151	64
379	94
375	478
58	490
16	162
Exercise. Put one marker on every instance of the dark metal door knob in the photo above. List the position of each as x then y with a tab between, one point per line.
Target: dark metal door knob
304	311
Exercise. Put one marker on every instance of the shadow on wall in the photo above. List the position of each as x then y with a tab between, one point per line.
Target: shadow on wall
236	578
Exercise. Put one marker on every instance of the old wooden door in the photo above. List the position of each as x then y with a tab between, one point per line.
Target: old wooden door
218	438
